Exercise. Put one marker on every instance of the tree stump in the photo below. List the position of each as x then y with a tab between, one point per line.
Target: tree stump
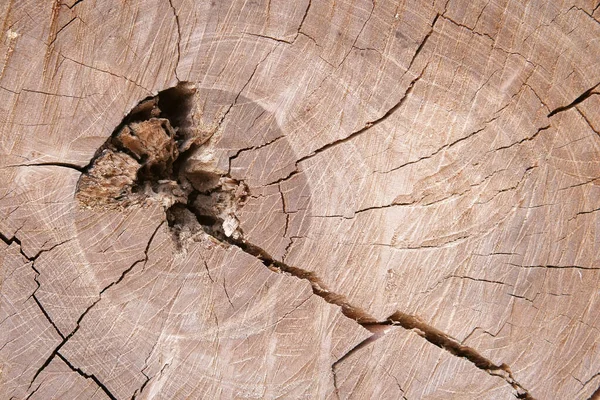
300	199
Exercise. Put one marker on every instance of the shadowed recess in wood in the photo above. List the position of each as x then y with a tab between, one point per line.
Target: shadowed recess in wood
145	160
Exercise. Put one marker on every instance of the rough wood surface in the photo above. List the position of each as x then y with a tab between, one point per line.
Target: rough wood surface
366	199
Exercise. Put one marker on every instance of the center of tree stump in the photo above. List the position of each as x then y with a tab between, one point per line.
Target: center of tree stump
146	160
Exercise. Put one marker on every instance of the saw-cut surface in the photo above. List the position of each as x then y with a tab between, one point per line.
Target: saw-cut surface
300	199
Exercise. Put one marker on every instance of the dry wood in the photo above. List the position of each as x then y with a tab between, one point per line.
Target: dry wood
300	199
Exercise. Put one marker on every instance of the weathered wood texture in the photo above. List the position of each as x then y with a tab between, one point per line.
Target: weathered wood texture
435	165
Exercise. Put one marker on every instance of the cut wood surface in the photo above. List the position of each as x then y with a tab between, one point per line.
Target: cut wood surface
300	199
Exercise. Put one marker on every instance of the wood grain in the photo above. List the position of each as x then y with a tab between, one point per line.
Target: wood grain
421	219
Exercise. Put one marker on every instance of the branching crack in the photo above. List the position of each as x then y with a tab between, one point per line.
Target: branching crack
74	4
353	46
8	241
484	35
243	88
318	286
299	31
41	307
56	351
37	274
61	29
146	381
252	148
406	321
369	124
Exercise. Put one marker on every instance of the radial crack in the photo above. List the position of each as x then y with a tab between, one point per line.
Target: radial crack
362	317
442	340
299	30
178	38
51	164
578	100
8	241
354	134
555	266
318	286
423	42
360	131
55	352
61	29
235	100
358	35
526	139
105	72
88	376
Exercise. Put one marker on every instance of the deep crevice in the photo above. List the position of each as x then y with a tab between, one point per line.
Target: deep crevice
181	222
404	320
46	315
595	395
70	7
299	30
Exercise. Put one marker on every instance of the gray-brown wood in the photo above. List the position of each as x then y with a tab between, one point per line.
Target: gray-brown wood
417	186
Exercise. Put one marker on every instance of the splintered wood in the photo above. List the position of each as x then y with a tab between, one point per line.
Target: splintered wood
307	199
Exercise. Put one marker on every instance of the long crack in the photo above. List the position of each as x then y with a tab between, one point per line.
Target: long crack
406	321
366	128
152	156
